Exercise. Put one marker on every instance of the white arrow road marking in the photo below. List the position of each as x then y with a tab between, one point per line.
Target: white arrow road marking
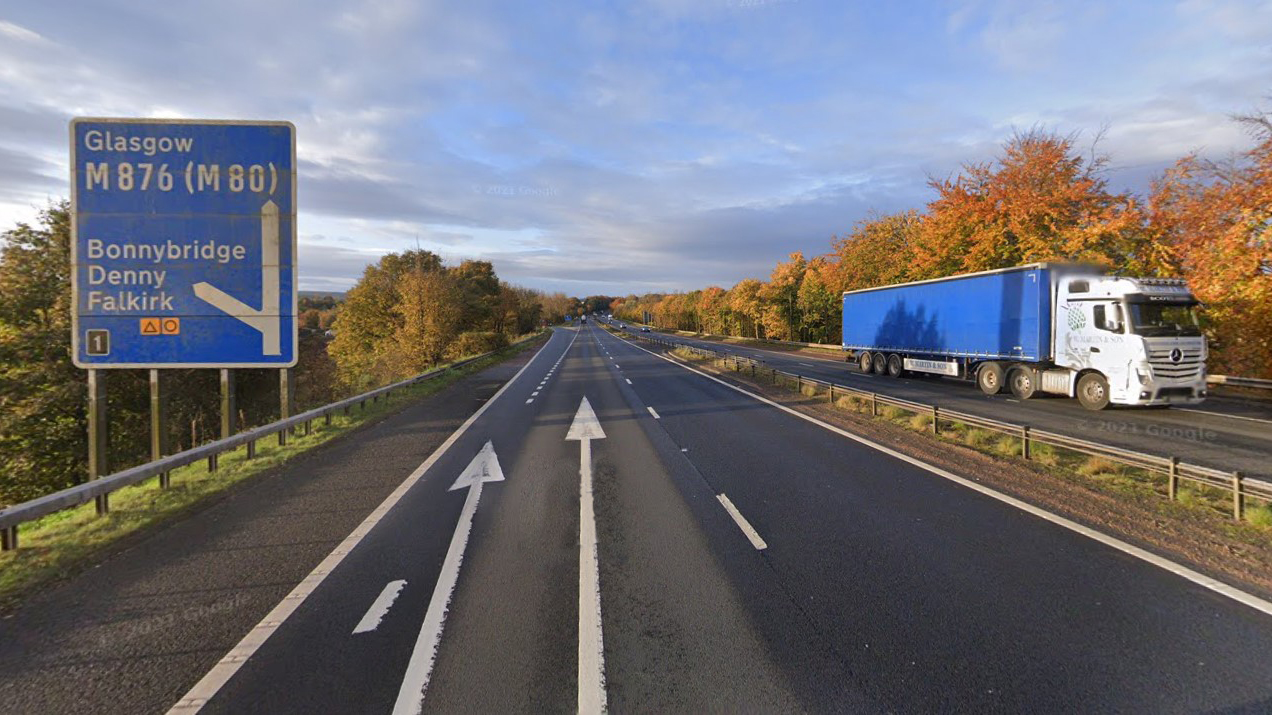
484	468
751	534
586	428
380	607
220	674
266	320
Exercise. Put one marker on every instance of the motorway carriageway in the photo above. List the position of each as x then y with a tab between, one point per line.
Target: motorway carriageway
613	530
1221	433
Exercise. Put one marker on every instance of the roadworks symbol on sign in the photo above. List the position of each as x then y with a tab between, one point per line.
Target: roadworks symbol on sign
160	326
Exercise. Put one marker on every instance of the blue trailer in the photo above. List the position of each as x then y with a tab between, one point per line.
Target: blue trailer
1043	327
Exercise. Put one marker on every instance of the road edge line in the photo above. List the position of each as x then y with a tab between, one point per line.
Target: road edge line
1215	585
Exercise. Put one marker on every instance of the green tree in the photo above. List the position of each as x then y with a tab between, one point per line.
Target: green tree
43	446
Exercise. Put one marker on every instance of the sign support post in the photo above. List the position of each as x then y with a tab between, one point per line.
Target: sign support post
97	434
285	396
158	434
228	403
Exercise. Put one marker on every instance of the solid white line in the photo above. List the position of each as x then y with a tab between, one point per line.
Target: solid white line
751	534
651	411
1180	570
410	699
220	674
380	607
1220	414
591	639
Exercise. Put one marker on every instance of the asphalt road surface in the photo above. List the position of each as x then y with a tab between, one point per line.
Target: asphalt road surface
613	530
1222	433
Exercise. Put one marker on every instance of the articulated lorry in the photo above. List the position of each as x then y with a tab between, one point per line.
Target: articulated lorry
1040	328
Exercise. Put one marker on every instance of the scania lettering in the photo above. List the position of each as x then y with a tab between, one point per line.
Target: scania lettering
1040	328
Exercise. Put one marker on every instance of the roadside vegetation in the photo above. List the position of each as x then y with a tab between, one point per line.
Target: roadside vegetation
58	544
1045	198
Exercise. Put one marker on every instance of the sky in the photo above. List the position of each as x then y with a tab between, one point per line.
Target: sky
627	146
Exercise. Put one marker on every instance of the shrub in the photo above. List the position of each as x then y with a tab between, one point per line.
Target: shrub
476	343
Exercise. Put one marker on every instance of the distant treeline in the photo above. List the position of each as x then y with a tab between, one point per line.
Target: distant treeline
407	313
1041	200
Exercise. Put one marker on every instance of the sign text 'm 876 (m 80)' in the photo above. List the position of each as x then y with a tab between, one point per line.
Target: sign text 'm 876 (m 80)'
184	243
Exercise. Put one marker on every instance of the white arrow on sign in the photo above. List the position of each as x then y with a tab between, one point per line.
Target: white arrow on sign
266	320
586	428
484	468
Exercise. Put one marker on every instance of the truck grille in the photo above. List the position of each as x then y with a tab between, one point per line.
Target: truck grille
1189	365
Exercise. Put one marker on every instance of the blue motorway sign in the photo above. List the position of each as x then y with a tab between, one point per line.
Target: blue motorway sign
183	243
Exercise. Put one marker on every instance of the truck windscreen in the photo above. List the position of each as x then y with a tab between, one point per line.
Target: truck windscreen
1163	319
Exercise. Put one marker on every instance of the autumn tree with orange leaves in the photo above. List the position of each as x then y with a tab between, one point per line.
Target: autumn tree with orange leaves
1217	219
1040	201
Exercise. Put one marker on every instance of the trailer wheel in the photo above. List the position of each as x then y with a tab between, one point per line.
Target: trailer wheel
864	361
1093	391
1023	382
879	363
990	378
895	368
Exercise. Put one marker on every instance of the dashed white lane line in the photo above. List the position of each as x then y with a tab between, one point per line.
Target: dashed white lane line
534	394
529	400
751	534
629	380
1220	414
655	414
380	607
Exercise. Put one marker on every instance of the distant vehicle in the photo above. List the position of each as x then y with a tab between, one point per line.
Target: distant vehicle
1043	327
644	330
584	319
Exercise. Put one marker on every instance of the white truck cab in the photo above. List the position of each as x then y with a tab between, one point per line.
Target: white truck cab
1126	341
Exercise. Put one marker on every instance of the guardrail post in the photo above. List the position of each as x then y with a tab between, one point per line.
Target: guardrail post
830	393
157	420
936	420
874	406
1024	442
97	434
799	384
251	449
212	463
1238	498
326	419
1172	479
9	538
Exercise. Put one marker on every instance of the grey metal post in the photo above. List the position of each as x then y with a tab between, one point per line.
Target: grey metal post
1172	482
97	434
228	403
158	434
1238	499
284	400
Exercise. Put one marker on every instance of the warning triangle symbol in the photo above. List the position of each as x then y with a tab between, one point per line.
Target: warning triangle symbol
150	326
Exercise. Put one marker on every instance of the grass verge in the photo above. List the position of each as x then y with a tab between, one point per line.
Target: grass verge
57	545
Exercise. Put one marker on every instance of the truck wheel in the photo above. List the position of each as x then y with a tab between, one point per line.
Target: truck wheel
1093	391
879	363
1023	382
895	368
990	378
864	362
